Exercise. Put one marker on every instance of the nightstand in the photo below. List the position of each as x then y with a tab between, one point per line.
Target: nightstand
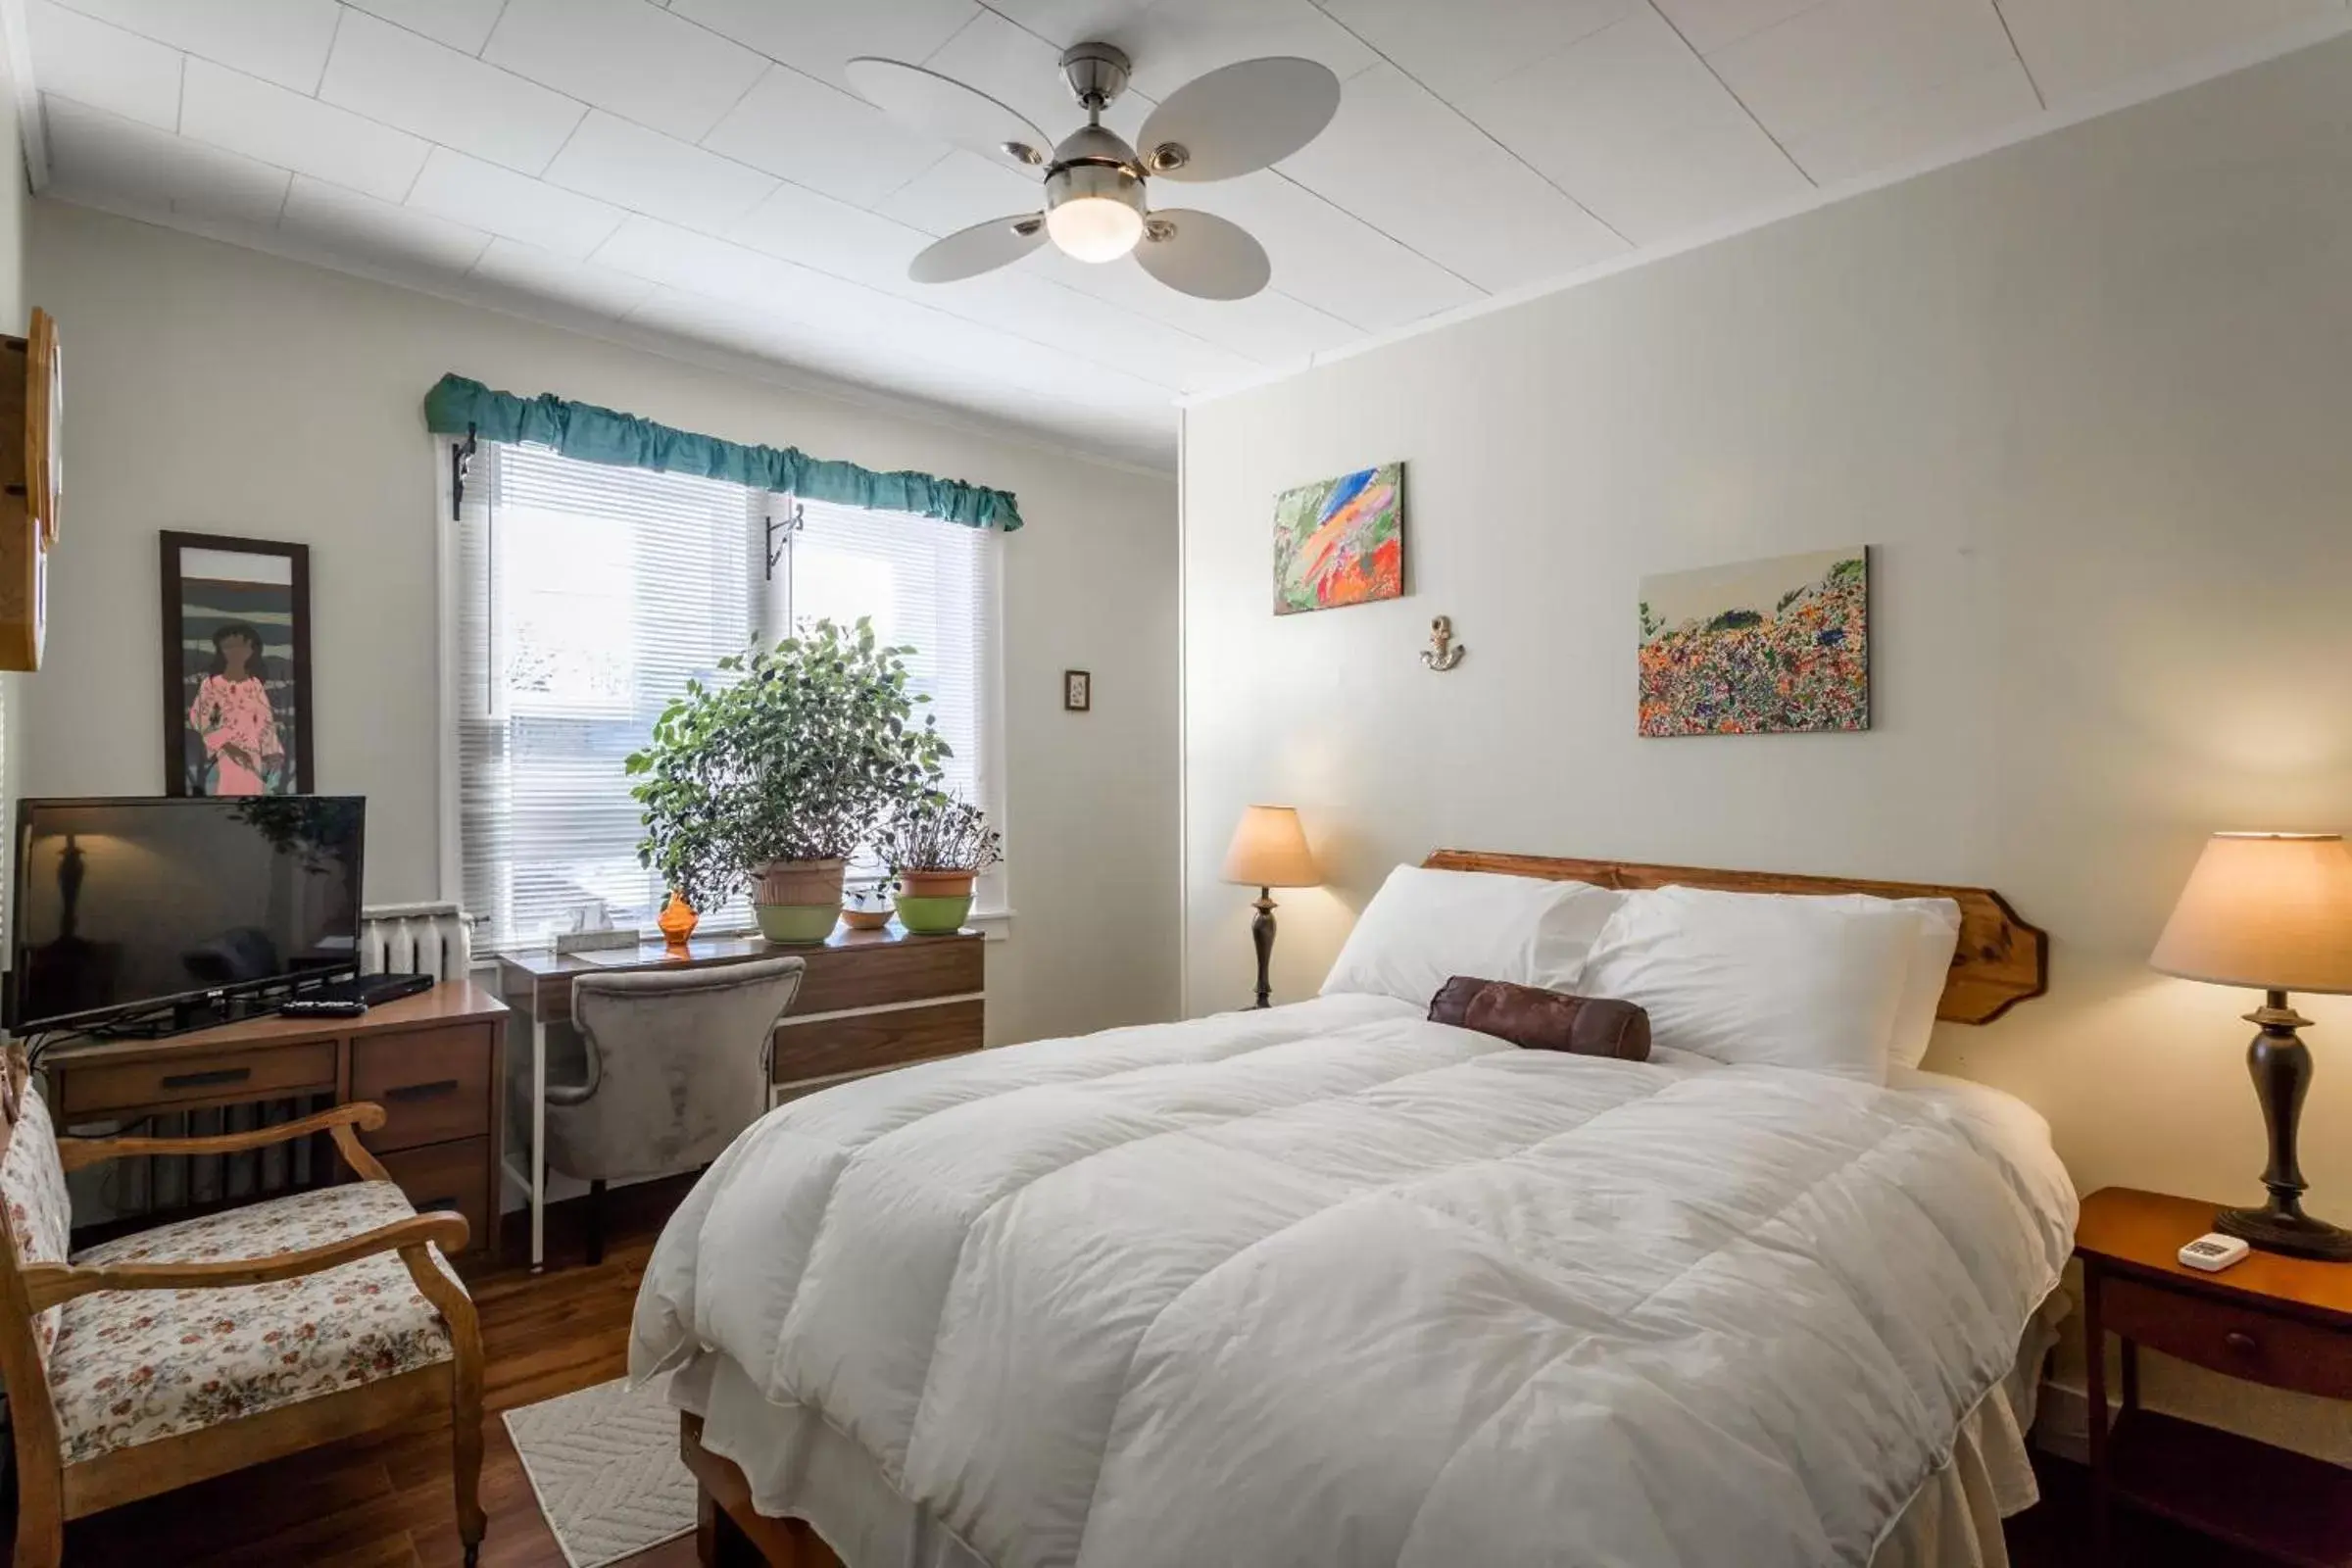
2283	1321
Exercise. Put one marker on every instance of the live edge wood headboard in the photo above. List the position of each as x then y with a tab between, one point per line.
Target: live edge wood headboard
2000	963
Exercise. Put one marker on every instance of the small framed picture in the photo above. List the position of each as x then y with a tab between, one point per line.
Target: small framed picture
236	666
1077	690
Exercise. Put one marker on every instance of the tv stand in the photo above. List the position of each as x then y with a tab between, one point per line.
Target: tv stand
209	1011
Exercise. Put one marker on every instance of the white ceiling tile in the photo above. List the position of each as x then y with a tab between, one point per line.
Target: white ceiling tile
97	155
284	41
460	24
392	74
1465	44
372	232
960	190
817	35
1844	58
1173	41
1413	167
1634	126
1966	110
2075	47
536	275
103	66
800	225
1269	327
822	137
636	60
1017	301
1328	258
1022	71
467	191
249	116
646	172
663	253
1709	25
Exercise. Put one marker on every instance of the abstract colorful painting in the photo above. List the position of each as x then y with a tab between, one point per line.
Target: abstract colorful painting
1340	542
1766	647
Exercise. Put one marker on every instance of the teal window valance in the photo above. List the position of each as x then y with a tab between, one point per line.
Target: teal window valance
591	434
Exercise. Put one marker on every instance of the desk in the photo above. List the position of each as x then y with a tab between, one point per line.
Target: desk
435	1061
868	1001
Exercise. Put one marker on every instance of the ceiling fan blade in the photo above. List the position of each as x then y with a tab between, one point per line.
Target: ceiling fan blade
1203	255
981	248
950	111
1238	118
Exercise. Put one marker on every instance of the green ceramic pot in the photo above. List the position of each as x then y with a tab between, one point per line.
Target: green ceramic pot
801	923
933	916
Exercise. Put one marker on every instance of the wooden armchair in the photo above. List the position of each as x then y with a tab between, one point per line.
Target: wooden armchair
202	1347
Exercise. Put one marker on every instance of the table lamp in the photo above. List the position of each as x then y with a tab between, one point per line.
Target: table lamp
2272	912
1269	852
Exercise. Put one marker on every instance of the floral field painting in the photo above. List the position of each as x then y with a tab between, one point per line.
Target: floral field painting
1765	647
1340	542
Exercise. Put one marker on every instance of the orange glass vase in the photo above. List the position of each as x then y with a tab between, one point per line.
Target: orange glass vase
677	922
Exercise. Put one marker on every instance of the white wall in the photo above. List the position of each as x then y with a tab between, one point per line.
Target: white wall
2087	397
216	389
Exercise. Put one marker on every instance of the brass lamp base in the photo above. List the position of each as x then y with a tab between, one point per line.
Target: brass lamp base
2297	1235
2281	1065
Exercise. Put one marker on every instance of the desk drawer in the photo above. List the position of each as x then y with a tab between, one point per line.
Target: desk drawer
871	1041
2241	1342
434	1084
448	1176
876	976
95	1090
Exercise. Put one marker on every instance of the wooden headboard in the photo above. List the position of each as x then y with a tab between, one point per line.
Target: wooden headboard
2000	963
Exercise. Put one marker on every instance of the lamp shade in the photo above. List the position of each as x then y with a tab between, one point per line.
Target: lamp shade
2267	910
1269	851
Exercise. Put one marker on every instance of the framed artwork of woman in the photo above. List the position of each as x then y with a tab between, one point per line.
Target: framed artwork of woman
236	666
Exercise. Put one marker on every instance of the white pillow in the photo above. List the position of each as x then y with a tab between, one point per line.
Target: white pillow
1424	927
1770	979
1935	940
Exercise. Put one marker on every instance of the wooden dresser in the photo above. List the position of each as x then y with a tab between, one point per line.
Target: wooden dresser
869	1001
434	1061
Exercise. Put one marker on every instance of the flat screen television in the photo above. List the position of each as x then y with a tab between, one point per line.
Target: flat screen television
123	907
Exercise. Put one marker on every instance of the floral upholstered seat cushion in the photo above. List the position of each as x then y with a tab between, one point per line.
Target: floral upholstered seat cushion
134	1366
39	1215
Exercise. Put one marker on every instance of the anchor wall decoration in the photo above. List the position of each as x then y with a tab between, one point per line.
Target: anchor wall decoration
1443	652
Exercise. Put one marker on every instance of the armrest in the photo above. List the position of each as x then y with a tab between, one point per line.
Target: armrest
338	1120
48	1284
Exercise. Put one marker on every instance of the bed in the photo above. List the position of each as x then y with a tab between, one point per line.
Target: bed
1332	1284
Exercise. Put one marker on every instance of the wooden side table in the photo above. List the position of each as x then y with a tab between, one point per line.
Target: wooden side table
2281	1321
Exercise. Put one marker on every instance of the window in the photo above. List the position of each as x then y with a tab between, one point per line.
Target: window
588	597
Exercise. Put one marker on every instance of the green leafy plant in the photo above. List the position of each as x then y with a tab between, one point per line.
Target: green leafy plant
799	753
938	832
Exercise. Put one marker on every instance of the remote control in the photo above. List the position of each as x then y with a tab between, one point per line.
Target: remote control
2212	1253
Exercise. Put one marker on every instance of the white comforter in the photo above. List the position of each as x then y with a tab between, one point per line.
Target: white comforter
1335	1285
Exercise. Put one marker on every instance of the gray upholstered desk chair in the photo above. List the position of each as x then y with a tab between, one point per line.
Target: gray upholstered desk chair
677	1064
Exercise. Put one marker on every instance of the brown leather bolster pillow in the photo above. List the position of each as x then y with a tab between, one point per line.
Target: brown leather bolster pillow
1544	1020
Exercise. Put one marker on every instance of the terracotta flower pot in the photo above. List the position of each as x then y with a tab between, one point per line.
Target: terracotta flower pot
933	903
798	901
865	919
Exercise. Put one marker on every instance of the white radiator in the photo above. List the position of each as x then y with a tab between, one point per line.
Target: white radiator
434	939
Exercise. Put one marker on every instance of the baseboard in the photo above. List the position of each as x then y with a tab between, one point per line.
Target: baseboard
2062	1422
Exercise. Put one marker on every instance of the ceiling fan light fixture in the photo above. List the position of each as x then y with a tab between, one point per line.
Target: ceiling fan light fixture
1094	212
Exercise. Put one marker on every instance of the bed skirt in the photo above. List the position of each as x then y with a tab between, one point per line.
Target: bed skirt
800	1467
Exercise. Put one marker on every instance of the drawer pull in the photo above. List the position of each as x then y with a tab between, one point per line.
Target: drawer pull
2239	1341
203	1080
438	1087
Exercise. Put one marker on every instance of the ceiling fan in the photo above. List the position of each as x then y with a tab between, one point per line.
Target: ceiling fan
1234	120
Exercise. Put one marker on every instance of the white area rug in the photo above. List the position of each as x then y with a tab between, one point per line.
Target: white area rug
604	1464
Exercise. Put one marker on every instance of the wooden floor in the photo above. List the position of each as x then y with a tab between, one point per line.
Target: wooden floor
386	1502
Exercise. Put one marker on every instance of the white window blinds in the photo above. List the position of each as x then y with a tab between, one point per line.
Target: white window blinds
588	597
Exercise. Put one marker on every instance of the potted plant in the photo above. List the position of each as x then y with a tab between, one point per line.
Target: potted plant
796	759
683	799
936	845
865	908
